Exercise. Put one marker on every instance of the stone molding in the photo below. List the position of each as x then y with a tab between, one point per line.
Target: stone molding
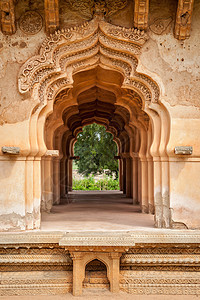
157	236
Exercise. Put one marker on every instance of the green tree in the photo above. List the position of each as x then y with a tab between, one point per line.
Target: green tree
96	150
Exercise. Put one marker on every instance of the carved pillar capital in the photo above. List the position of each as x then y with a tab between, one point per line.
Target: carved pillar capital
76	255
115	255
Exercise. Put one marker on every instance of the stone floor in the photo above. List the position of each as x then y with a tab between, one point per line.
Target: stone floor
96	210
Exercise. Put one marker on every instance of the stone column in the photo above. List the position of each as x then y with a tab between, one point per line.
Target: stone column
29	193
165	195
128	176
120	175
144	186
114	271
124	176
158	193
47	183
78	273
70	174
139	180
56	181
62	178
150	186
37	191
135	180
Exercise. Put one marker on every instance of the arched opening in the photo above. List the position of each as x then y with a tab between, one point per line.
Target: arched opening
95	166
96	275
97	97
94	79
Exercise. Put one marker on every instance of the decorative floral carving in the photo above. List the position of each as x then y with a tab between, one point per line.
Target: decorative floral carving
30	22
160	25
69	50
90	7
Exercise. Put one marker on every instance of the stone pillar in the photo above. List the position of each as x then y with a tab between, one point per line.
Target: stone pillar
139	181
66	176
77	273
158	193
37	192
47	184
56	181
70	174
114	272
29	193
150	186
120	175
166	220
144	186
124	176
62	178
135	180
128	176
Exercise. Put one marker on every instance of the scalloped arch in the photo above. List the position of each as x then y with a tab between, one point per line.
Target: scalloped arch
94	43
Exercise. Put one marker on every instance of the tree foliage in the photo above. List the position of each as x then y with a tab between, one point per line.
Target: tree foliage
96	150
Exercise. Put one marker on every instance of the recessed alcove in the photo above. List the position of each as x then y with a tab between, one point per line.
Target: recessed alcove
96	275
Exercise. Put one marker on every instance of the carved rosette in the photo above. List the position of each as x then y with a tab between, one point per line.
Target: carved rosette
96	42
30	22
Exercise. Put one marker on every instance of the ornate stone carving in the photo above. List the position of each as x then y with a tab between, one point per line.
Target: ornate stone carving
88	8
160	25
151	282
141	14
183	19
96	239
95	40
30	22
7	9
51	15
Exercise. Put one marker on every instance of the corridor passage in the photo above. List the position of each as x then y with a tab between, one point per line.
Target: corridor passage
94	211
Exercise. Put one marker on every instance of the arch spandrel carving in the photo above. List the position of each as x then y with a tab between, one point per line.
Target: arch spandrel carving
94	43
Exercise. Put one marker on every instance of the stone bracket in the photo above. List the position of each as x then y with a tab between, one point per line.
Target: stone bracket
7	16
141	14
10	150
51	15
183	150
183	19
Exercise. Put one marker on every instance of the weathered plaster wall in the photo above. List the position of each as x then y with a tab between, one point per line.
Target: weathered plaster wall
175	63
12	195
14	51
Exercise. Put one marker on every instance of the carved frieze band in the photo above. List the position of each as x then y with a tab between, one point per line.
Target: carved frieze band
7	16
183	19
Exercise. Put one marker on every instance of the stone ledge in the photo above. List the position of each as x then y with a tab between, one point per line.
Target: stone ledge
107	238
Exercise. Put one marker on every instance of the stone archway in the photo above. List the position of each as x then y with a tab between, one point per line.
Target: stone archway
53	78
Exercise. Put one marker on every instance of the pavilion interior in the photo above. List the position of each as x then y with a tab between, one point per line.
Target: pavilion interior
97	97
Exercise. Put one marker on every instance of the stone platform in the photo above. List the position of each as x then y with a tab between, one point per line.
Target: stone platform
148	262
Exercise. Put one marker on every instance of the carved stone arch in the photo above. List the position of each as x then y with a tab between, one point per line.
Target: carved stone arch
100	44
